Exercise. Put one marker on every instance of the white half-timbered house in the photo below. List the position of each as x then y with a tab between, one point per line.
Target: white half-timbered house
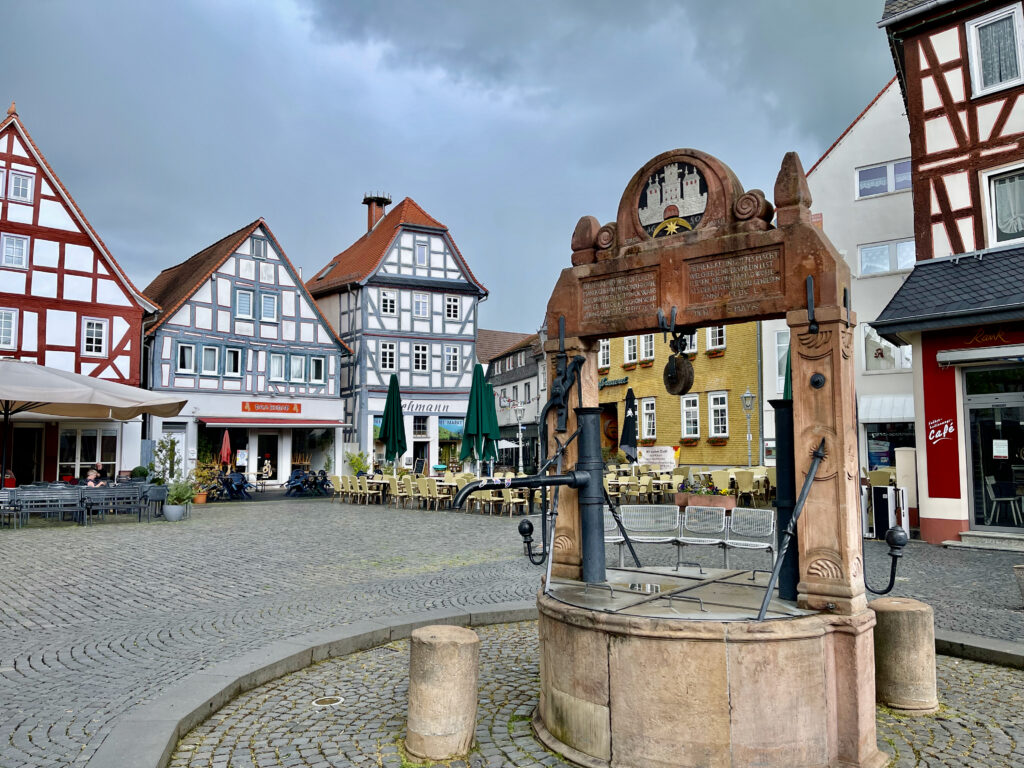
244	339
64	303
404	299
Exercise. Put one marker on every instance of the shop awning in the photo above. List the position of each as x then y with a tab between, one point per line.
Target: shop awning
880	409
269	423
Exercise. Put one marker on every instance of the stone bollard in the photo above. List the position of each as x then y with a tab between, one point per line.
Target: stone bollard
443	679
905	655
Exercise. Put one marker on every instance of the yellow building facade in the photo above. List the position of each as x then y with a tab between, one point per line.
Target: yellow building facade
708	425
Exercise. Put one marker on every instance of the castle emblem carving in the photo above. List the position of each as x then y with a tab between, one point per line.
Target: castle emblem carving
673	201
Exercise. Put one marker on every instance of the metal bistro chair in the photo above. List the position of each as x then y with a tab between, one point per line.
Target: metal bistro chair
650	523
9	509
698	529
751	528
1001	504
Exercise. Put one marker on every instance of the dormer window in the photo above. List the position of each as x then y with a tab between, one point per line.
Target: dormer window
258	247
994	44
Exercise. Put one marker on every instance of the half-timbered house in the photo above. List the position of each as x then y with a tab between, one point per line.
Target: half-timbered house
960	65
64	303
404	299
244	339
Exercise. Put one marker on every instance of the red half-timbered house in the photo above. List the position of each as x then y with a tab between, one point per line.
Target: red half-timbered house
64	303
960	65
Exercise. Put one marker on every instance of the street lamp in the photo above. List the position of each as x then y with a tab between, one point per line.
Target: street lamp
748	408
520	411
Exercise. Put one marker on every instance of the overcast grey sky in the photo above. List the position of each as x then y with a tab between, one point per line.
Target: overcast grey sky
175	123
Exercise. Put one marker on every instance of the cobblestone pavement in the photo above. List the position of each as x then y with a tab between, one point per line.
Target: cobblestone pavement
94	620
981	722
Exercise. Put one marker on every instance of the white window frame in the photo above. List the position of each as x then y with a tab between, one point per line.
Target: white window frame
264	317
238	309
496	366
3	178
420	426
388	297
604	353
690	405
229	353
648	407
893	246
276	359
647	346
715	407
629	350
988	197
203	370
13	313
297	373
903	356
387	349
191	367
890	179
420	352
452	304
781	342
421	247
526	392
974	49
258	247
691	343
451	358
521	358
421	300
712	333
103	323
4	240
314	376
30	178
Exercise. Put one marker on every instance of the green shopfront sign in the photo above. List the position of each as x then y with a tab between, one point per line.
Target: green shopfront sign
606	382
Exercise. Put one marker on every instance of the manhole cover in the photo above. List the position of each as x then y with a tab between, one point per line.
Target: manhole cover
328	701
382	651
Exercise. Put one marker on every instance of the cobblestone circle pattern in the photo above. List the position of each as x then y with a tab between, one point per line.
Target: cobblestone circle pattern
981	722
96	620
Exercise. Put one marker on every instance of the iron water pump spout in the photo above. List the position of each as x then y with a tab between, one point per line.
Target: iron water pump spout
572	479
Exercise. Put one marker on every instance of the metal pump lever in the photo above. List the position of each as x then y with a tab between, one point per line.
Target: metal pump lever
572	479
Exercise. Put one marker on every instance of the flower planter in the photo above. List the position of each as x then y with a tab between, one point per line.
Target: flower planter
690	441
705	500
199	498
629	367
603	370
647	364
718	441
715	353
174	512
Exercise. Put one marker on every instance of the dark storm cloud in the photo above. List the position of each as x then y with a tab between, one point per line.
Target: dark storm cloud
175	124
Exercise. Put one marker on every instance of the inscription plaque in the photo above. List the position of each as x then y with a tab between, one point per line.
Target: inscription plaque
751	276
620	296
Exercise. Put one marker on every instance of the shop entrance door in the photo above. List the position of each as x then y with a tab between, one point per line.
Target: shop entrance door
997	465
26	460
266	452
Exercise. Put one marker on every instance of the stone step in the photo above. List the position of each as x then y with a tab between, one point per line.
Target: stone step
1004	542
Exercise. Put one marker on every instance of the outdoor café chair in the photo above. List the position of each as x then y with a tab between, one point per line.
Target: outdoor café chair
368	492
701	527
744	484
720	479
1000	504
412	488
336	486
398	492
433	496
510	502
751	529
9	510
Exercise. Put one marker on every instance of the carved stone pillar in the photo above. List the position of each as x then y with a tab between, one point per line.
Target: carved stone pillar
568	553
831	569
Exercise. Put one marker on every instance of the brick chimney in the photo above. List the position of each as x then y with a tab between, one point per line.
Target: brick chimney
375	205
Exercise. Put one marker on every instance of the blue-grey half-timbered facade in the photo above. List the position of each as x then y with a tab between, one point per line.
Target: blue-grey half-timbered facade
242	336
403	298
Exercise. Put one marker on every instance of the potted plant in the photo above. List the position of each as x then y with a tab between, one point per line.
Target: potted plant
203	477
179	493
695	493
140	472
691	441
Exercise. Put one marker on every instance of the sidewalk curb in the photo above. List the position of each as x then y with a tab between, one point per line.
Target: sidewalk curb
979	648
148	733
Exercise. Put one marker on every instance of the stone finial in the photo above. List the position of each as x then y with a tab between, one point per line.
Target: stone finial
583	238
791	183
12	111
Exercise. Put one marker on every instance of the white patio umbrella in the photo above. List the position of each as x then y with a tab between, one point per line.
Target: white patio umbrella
36	388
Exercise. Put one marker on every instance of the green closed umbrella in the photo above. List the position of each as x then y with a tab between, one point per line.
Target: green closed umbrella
493	432
787	390
481	419
392	427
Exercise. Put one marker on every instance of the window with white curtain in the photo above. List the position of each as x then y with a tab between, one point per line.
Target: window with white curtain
14	252
891	256
1005	206
629	349
8	328
276	367
718	414
994	50
647	346
208	362
691	415
648	419
297	368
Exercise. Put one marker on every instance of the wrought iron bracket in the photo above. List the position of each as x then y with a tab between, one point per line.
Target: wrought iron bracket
566	372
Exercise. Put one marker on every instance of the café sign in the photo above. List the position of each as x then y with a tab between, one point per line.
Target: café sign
606	382
250	406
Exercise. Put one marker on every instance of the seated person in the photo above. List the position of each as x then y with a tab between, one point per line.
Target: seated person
93	479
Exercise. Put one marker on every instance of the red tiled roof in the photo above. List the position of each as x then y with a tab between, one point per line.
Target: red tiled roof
526	343
176	284
492	344
12	117
850	126
359	260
